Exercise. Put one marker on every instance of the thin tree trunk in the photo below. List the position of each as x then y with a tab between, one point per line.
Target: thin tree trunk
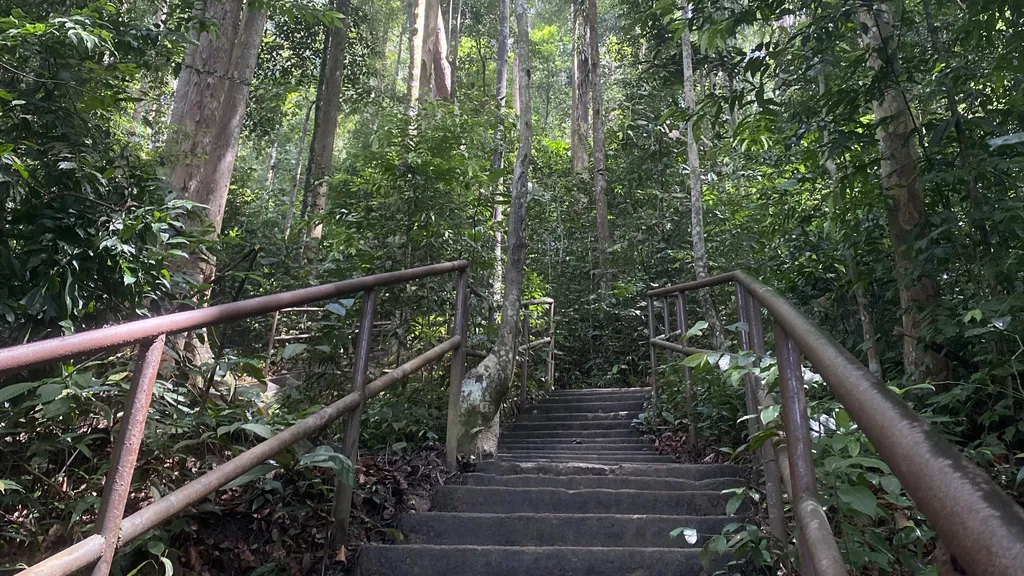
272	165
604	234
290	210
867	320
486	386
580	101
453	54
428	38
964	157
412	86
700	255
321	151
899	171
498	159
402	39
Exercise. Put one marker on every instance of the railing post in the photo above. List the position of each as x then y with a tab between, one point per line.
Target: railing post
691	412
814	528
458	371
126	450
654	352
526	359
350	445
752	341
551	346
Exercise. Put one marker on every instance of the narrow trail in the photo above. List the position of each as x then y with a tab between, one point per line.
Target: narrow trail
575	491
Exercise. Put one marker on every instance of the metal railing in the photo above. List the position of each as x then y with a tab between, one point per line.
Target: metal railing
527	347
113	530
978	523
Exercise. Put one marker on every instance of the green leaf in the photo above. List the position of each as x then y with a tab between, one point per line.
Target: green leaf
697	329
156	547
14	390
257	472
258	429
168	567
733	504
690	534
891	484
770	413
1020	477
6	485
694	360
293	349
860	499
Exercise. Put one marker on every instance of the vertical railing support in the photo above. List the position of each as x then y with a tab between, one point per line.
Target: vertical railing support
350	445
691	412
814	528
458	371
654	353
551	346
525	363
126	450
752	340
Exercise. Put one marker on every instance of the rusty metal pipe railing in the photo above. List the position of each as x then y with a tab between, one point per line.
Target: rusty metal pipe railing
27	356
527	346
113	531
975	519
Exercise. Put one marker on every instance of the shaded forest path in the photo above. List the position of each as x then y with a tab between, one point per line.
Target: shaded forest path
575	490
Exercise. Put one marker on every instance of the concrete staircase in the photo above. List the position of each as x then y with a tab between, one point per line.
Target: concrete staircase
574	491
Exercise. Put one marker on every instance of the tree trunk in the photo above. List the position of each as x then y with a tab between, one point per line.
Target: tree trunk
290	210
515	85
453	54
579	124
421	67
899	172
272	165
604	234
442	69
700	255
498	159
978	224
412	86
486	386
206	117
321	151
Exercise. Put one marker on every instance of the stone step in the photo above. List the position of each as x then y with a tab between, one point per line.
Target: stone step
599	392
584	531
422	560
584	407
503	500
602	482
569	418
532	434
634	441
505	448
681	471
596	458
601	425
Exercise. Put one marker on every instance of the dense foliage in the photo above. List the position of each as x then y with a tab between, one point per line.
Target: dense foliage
92	234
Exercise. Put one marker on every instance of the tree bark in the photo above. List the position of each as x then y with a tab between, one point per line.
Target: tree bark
453	53
579	124
421	65
210	100
978	224
486	386
700	255
442	69
321	151
899	172
604	234
290	210
498	159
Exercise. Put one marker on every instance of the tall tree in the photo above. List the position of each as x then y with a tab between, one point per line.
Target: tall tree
908	224
498	158
579	123
210	99
325	128
423	47
485	386
604	233
442	68
700	254
455	24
